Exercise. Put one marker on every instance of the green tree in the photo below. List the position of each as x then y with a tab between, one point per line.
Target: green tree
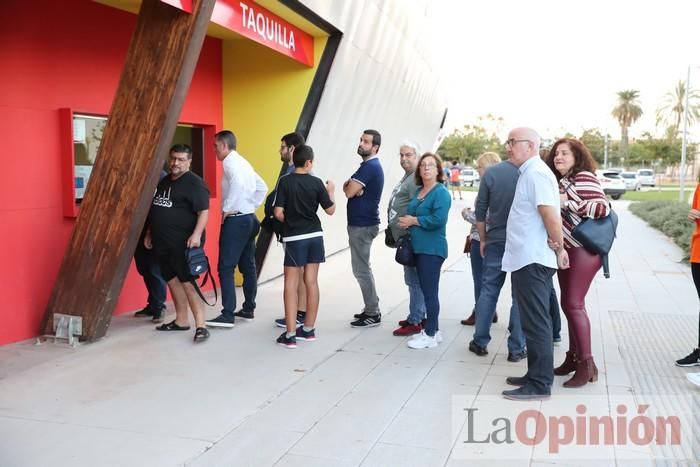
469	142
672	106
595	142
627	111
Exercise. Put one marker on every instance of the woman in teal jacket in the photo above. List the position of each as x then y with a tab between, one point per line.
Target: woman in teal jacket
426	220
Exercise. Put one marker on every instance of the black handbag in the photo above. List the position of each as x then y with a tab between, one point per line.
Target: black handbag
198	263
597	236
404	251
389	239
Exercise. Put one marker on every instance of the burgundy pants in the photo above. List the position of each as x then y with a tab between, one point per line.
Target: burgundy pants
574	283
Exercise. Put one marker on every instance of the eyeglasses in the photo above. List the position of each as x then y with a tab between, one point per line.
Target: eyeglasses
512	142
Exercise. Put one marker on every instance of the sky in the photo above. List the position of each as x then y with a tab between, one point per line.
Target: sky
557	65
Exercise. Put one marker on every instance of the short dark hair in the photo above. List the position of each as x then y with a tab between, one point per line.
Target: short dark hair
438	166
182	148
293	139
227	137
302	154
583	160
376	137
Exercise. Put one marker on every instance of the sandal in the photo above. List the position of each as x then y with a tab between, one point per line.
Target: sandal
201	334
172	326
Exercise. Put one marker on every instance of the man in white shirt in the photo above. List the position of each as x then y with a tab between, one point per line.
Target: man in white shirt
242	191
533	219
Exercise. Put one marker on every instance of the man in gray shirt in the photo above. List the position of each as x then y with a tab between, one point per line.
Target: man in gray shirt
495	197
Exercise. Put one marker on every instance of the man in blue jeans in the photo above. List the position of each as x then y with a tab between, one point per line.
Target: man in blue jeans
495	196
242	191
364	190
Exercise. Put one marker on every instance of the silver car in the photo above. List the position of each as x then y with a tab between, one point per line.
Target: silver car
646	177
631	181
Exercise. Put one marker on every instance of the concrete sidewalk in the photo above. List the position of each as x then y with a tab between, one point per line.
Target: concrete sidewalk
361	397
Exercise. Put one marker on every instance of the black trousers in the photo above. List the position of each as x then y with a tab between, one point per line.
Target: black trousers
695	270
532	288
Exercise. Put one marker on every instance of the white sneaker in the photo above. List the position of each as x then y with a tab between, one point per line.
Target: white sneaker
694	378
422	341
438	337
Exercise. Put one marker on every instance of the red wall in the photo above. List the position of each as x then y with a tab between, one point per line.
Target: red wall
56	54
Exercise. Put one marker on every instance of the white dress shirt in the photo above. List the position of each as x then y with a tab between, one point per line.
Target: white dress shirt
526	236
242	189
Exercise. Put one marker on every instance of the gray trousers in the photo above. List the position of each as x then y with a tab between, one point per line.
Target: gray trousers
360	239
532	287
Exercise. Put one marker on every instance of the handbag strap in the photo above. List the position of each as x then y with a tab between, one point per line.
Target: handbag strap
207	276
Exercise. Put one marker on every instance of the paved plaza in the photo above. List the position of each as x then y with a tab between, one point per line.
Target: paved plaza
360	397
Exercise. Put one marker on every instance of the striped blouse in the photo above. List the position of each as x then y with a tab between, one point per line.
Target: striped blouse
586	200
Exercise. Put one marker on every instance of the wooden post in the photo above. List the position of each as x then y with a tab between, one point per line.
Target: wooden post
161	60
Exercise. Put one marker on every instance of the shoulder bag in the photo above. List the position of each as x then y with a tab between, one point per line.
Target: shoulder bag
597	236
404	251
198	263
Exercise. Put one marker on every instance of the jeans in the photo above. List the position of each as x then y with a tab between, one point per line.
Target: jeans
360	240
416	302
532	286
148	267
477	268
556	316
237	248
492	282
428	267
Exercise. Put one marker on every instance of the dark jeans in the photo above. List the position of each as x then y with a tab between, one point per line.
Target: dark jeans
532	287
477	268
147	266
492	282
428	267
556	316
237	248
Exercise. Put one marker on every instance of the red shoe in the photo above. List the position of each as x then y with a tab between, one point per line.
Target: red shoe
408	330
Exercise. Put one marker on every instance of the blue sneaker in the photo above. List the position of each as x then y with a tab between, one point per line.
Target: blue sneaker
301	316
306	335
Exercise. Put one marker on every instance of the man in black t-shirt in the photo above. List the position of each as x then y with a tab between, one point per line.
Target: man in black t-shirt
299	195
177	219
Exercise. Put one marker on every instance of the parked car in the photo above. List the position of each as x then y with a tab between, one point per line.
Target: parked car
631	181
646	177
612	183
469	177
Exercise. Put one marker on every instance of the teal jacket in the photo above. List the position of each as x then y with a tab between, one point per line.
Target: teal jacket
429	238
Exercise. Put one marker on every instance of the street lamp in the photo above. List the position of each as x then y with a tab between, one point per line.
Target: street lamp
684	146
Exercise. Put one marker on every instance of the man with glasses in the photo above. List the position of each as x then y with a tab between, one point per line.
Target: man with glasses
176	221
242	191
364	190
533	219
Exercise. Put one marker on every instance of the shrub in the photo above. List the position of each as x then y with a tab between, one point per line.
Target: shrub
670	217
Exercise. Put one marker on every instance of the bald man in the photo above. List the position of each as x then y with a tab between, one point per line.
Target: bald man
533	219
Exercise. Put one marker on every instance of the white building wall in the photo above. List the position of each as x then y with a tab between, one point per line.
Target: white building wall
382	78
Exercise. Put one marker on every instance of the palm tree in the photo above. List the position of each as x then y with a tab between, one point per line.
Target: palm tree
670	111
627	111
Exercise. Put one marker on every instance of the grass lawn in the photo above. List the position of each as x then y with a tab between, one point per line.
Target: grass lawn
654	195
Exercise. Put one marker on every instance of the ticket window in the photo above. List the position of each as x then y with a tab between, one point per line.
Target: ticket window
87	135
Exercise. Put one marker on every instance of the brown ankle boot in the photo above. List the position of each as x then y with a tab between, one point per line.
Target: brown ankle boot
586	372
469	321
568	366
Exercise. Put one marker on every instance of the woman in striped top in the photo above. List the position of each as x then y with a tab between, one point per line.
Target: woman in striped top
581	197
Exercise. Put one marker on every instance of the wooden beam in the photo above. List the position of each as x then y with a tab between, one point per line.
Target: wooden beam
161	60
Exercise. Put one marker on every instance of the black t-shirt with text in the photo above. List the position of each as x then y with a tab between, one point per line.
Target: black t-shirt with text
176	204
300	195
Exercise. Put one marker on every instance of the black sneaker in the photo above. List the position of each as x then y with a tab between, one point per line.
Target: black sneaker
221	322
477	349
359	315
693	359
367	321
157	316
516	357
289	342
306	335
282	323
246	315
145	313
